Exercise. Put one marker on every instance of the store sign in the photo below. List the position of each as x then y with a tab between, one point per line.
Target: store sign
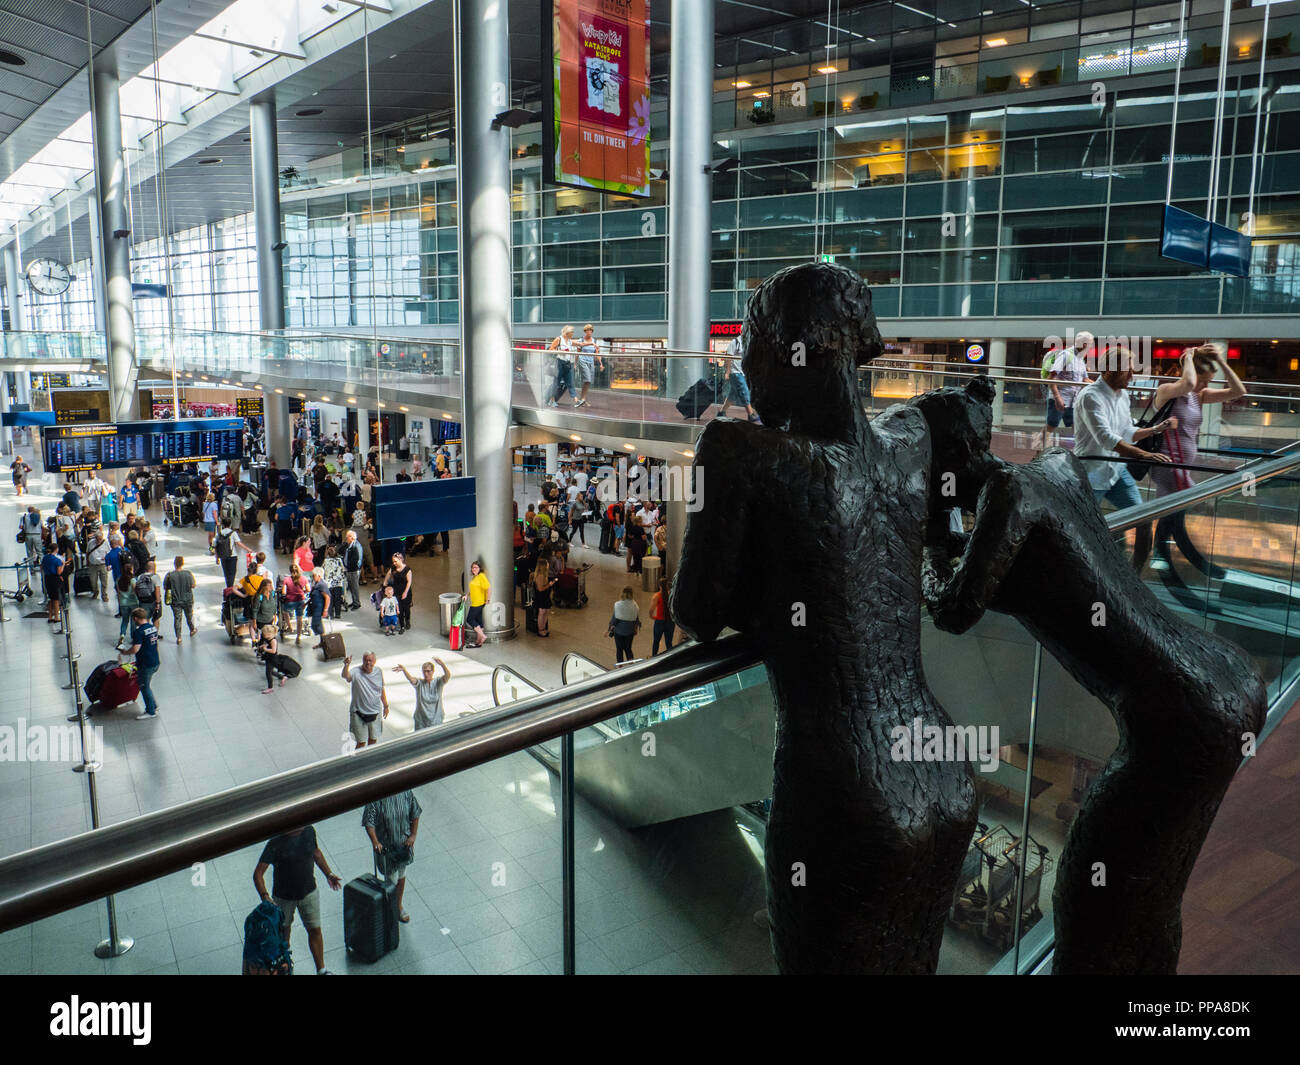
724	329
975	353
596	122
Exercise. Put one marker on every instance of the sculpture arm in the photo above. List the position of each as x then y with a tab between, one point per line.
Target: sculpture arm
958	598
709	573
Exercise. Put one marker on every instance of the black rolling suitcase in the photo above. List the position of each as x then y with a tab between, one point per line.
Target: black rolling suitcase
530	612
95	682
370	925
81	577
606	536
697	399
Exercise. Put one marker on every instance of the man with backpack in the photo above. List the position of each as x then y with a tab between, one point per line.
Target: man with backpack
148	593
232	509
294	856
224	545
179	588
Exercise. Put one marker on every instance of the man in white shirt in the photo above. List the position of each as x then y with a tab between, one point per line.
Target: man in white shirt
1068	373
1104	427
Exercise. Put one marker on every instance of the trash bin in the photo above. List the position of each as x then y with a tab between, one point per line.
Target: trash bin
447	603
650	568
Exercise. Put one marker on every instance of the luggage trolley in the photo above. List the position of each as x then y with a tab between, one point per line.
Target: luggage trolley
985	899
171	510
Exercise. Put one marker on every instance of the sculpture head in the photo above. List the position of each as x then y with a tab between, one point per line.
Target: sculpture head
960	421
807	329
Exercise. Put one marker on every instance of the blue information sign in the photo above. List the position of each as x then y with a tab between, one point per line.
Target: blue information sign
152	443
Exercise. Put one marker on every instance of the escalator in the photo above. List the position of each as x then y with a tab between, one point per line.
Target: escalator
711	748
660	762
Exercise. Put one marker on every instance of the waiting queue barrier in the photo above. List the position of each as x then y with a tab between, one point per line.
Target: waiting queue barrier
689	887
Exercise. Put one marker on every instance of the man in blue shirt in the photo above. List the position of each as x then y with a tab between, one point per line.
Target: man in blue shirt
130	498
144	645
285	513
52	568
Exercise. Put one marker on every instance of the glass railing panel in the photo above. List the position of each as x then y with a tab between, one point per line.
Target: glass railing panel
482	892
669	838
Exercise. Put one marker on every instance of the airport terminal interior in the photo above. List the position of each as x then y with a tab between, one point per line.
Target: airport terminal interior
309	300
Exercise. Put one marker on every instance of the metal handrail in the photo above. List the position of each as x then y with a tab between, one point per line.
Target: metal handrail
47	880
497	671
1153	509
575	656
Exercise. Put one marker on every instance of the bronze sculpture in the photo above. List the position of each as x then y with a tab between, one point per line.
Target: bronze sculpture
1184	700
862	851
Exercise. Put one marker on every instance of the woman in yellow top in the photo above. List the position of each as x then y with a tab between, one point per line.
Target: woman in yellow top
479	590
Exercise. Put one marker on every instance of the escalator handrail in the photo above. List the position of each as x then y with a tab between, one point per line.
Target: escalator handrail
577	657
46	880
498	670
1152	509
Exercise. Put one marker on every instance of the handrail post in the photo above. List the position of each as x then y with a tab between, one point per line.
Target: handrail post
1024	817
567	851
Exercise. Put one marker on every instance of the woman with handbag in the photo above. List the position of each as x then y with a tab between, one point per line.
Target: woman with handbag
1187	397
624	623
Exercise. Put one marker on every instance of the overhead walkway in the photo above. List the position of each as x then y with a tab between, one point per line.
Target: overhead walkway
633	403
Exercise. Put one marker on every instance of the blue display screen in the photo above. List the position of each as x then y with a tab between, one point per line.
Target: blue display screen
1185	237
153	443
1229	251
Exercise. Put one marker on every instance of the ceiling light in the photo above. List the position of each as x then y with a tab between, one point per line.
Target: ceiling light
279	391
308	112
447	416
324	399
995	42
630	447
382	403
12	59
689	454
574	436
828	70
404	409
352	399
301	395
741	84
255	53
762	94
333	9
401	147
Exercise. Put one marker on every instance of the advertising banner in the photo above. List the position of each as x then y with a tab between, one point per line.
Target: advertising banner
597	124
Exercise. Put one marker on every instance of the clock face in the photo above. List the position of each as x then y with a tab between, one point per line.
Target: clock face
48	277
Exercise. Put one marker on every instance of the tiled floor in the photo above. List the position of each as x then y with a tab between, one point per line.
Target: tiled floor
1241	913
670	899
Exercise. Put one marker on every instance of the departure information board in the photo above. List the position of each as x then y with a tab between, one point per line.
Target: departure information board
152	443
248	408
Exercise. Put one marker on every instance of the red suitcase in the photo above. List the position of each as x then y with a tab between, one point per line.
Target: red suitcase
119	687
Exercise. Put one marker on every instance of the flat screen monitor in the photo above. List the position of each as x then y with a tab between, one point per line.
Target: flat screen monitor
1185	237
1229	251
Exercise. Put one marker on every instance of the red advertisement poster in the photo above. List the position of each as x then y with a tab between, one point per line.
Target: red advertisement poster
600	109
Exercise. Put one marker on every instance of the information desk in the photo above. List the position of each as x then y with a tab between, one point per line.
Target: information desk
151	443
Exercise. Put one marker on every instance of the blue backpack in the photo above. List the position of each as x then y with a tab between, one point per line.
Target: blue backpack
266	951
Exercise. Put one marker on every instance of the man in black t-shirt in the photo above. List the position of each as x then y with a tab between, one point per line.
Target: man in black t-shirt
293	856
